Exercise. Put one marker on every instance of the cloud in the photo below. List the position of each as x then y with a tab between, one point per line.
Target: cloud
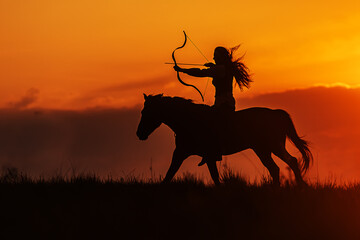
104	140
30	97
317	108
122	94
101	141
329	118
136	85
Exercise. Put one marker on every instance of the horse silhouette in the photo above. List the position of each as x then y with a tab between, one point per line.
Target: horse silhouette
199	130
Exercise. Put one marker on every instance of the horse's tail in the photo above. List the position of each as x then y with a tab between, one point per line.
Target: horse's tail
300	143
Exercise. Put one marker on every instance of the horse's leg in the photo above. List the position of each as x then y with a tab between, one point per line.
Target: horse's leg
213	171
177	159
266	159
292	162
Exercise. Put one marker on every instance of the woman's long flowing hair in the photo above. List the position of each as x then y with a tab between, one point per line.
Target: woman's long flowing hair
239	69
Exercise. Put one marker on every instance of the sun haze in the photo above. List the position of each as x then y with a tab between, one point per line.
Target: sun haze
80	54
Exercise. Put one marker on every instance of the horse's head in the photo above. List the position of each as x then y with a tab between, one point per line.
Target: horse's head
150	116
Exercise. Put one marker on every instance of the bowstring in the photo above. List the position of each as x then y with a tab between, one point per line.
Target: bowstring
207	82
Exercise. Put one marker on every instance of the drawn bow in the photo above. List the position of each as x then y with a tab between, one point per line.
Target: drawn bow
177	73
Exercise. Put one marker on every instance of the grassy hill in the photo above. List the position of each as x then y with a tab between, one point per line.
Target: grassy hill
86	207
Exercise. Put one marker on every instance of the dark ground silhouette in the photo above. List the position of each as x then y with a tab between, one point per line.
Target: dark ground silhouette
90	208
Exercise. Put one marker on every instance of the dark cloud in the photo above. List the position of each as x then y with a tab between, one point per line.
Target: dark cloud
315	109
329	118
104	140
30	97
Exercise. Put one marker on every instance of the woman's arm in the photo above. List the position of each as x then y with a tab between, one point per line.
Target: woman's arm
195	72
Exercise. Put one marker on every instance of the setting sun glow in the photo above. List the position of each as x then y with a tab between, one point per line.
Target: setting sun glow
80	54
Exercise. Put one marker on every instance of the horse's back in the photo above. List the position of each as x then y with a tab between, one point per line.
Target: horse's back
259	112
260	121
256	110
253	115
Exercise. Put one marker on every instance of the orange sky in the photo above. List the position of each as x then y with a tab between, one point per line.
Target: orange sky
77	54
72	54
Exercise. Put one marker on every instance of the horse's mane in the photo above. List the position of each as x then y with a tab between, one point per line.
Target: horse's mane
182	103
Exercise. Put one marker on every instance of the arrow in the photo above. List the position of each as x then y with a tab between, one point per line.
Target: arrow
191	64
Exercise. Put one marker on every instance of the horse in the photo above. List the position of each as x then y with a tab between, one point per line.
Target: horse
201	131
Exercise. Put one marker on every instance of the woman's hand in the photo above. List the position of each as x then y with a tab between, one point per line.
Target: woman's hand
209	64
177	68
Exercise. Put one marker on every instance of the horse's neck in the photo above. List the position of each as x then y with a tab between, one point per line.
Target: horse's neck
178	120
172	119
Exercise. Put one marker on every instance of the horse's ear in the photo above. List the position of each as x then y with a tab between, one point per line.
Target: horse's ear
145	96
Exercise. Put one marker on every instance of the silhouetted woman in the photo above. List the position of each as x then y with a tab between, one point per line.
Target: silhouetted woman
223	71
